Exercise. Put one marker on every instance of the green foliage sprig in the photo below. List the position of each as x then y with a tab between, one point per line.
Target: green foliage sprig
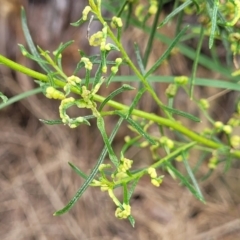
55	84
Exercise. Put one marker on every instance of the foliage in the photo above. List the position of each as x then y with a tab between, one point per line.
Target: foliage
217	21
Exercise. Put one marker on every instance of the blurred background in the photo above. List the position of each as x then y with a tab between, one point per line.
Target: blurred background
35	179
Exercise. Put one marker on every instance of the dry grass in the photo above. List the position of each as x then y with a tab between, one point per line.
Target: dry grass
35	179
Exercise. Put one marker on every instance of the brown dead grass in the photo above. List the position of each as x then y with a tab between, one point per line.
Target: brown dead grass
35	179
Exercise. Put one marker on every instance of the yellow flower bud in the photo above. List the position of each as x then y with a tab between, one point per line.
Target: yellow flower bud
155	182
218	125
152	172
85	12
227	129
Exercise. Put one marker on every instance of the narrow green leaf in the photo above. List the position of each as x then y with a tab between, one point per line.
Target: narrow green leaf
82	64
20	96
51	79
139	58
125	193
60	49
129	14
101	127
185	181
121	9
98	75
123	88
175	12
213	22
30	41
77	170
174	154
129	143
77	23
3	97
132	188
135	101
181	113
206	82
137	127
131	220
191	175
92	175
195	64
166	53
149	46
25	53
51	122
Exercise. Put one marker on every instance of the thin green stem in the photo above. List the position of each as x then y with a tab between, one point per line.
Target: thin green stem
132	66
151	35
118	106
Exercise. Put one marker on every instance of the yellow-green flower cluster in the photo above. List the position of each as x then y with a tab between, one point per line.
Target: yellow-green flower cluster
123	213
234	121
221	127
139	12
104	38
171	90
236	17
114	69
104	166
181	80
85	12
167	142
235	141
96	39
234	39
73	80
123	210
125	165
156	181
53	93
153	149
65	118
153	7
102	183
213	161
116	22
204	103
87	62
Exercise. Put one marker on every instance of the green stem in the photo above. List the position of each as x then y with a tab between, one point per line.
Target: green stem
132	66
151	35
118	106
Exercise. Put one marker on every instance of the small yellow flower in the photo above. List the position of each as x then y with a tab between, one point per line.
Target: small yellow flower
218	125
235	141
204	103
96	39
227	129
118	61
104	69
152	172
87	62
155	182
212	164
73	80
171	90
51	92
104	166
116	22
85	12
114	69
153	9
181	80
